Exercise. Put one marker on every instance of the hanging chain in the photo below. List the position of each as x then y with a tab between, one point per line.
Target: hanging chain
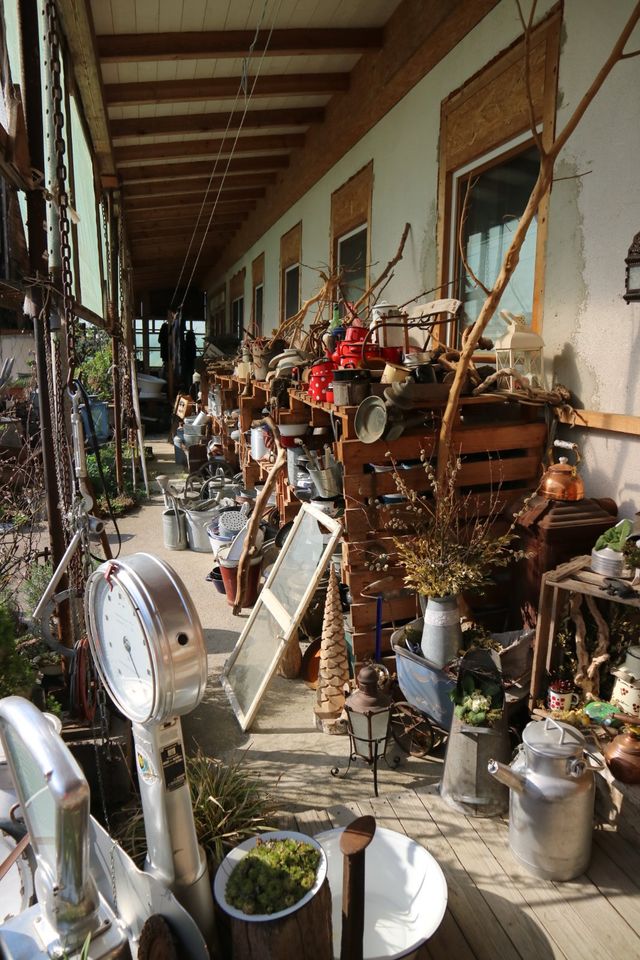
57	96
127	358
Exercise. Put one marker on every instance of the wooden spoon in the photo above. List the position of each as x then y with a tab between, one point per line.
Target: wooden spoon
353	843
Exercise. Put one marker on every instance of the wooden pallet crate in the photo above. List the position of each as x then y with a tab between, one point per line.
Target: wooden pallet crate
557	585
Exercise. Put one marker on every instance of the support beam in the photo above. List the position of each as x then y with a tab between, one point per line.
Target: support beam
199	185
221	44
224	88
202	168
196	196
179	206
215	122
205	148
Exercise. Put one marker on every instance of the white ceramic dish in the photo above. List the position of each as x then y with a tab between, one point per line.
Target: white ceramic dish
236	855
405	893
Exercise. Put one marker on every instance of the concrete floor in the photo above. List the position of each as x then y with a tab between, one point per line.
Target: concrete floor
283	745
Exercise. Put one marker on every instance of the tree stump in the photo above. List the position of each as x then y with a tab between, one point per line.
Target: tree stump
305	934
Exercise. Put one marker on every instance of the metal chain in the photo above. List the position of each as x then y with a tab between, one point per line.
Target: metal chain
66	277
125	354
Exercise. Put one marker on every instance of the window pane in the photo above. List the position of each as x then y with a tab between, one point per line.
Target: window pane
237	317
291	292
496	202
352	259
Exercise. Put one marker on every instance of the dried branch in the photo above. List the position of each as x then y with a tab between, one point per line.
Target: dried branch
387	270
463	219
527	72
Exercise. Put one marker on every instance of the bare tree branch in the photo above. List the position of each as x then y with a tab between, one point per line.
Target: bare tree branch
527	71
463	219
628	56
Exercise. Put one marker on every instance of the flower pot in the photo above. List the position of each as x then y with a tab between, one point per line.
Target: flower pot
441	633
229	571
278	935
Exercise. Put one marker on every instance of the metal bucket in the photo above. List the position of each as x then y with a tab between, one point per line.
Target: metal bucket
198	519
467	785
174	528
328	483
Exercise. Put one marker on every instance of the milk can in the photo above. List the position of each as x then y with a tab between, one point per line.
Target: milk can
552	794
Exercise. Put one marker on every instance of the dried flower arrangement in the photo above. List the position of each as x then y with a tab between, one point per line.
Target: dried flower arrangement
454	549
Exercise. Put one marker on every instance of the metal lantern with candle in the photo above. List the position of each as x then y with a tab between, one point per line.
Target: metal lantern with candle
632	272
519	353
368	711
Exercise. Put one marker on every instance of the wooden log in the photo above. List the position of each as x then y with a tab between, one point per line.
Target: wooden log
303	935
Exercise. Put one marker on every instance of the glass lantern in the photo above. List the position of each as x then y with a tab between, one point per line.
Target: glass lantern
368	715
520	351
632	273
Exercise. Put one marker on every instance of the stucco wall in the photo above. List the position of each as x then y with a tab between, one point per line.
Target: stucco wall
590	332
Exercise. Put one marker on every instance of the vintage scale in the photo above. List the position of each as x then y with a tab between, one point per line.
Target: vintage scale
149	650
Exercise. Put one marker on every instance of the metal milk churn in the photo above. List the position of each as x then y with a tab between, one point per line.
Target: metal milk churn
552	795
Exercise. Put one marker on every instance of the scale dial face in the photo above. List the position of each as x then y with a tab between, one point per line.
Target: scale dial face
146	638
123	652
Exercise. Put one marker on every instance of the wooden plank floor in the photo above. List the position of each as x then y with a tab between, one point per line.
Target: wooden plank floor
495	908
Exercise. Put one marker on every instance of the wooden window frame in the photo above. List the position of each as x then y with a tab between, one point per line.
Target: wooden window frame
221	314
236	290
257	280
290	256
498	86
285	272
350	209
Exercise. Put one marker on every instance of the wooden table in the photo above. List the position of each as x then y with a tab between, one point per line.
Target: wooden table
496	910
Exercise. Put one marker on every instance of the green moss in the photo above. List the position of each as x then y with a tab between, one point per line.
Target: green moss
274	875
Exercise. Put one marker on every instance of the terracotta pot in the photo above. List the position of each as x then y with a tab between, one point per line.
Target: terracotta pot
230	579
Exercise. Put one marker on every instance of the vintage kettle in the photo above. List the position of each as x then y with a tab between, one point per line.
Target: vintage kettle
552	796
622	754
560	480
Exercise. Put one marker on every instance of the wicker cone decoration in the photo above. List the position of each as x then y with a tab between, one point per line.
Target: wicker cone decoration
333	672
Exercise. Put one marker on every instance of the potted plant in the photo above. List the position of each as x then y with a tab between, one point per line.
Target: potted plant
453	550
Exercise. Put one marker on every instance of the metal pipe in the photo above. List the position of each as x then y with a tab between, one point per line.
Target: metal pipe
114	242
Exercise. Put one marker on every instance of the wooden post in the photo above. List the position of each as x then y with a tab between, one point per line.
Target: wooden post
302	935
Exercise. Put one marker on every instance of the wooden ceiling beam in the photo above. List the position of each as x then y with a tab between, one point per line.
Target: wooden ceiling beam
223	88
225	44
202	168
156	188
183	214
204	148
223	206
170	228
214	122
197	196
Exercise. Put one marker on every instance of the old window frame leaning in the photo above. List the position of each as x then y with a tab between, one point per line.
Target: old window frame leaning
290	256
494	104
287	620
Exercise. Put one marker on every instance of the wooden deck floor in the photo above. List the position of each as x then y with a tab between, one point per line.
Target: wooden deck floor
498	911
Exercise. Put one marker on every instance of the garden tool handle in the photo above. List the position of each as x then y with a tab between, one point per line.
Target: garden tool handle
353	842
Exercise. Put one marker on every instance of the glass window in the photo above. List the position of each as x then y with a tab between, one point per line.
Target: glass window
291	291
352	261
496	200
237	317
258	308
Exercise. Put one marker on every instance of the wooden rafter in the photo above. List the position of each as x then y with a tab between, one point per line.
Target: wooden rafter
203	148
201	168
224	88
197	185
178	206
196	196
221	44
214	122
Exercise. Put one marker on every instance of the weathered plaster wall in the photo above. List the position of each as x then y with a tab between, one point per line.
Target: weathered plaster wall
591	335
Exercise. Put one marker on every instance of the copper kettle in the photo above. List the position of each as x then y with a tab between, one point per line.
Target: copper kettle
623	753
560	480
